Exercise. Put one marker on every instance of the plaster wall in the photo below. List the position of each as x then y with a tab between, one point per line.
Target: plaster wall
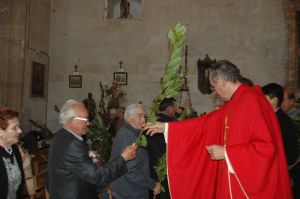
12	28
24	38
251	34
37	50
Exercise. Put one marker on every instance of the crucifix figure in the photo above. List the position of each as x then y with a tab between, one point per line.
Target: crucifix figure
120	62
76	68
124	9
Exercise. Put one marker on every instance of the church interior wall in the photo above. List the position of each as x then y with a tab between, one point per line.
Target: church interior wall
251	34
38	25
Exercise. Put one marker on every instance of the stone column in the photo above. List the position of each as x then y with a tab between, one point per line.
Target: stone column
12	52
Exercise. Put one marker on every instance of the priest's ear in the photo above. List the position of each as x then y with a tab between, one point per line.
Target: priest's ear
222	81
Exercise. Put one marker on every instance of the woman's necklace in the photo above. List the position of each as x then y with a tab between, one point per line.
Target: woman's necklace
11	156
8	150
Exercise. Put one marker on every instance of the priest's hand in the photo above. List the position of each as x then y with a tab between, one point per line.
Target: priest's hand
216	152
129	153
157	188
152	129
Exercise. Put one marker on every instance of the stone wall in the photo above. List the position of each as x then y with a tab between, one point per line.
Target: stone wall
12	52
35	108
24	32
251	34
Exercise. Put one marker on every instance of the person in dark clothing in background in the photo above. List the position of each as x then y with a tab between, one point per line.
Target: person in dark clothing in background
179	111
117	122
156	144
274	94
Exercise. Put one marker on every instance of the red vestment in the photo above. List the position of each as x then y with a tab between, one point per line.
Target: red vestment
253	145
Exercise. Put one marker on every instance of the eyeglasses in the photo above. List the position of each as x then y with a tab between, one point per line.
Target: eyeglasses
81	118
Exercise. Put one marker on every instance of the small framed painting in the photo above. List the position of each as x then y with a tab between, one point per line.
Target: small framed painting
75	81
120	78
38	80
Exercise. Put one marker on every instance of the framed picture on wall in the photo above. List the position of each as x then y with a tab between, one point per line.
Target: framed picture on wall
38	80
75	81
120	78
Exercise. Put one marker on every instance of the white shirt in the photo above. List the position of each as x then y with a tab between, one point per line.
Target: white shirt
77	136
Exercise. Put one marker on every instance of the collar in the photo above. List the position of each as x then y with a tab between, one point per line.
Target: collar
76	136
162	115
244	87
5	153
131	129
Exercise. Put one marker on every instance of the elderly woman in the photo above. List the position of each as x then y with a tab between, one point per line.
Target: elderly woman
11	170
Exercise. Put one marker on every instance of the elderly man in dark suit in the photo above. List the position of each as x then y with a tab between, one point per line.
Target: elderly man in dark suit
72	174
137	181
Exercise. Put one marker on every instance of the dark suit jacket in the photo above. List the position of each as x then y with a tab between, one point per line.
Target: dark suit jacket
156	148
136	182
289	136
156	145
72	174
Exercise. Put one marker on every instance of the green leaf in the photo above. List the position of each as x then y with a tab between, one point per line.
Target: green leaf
141	141
179	29
171	37
176	52
100	138
170	84
174	62
161	169
152	116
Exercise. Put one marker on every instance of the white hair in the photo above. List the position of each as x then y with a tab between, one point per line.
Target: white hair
67	111
131	110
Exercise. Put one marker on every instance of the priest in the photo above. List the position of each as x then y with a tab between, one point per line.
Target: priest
233	152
